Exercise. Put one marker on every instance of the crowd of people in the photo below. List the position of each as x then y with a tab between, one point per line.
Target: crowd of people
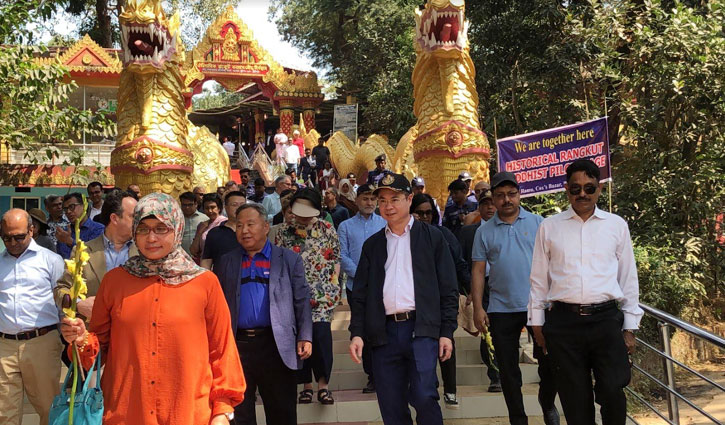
197	304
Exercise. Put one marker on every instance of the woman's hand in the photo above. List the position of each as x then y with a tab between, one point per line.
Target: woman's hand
219	420
73	330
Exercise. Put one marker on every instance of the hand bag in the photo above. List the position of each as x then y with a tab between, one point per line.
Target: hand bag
88	403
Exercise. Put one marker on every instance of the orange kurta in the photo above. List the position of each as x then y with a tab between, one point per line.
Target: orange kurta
170	355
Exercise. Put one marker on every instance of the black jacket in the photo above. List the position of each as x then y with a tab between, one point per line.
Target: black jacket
434	280
463	269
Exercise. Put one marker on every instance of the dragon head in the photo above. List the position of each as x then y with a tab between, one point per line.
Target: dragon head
441	28
148	38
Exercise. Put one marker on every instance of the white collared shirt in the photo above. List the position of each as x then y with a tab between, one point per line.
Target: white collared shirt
26	289
581	262
94	211
398	289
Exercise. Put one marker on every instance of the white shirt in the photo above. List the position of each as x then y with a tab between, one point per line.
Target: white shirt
398	289
26	289
581	262
292	155
229	147
94	211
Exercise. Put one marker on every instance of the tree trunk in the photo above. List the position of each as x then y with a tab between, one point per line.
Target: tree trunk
105	35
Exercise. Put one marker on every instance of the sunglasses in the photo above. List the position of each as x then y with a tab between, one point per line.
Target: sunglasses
17	238
588	189
424	213
159	230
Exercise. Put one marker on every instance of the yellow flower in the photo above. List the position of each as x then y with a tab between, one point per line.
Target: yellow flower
69	312
70	265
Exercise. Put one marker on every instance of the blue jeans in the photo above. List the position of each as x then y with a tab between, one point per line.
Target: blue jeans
405	373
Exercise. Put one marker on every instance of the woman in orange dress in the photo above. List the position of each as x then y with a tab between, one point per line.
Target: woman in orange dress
163	327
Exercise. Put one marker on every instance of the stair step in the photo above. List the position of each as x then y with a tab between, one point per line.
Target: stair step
342	361
466	375
353	407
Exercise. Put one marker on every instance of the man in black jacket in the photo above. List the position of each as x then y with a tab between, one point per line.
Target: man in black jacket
404	304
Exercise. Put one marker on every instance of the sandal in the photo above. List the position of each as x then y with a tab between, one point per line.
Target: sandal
305	397
325	397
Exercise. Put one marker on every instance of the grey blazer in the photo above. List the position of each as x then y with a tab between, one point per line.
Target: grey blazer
289	298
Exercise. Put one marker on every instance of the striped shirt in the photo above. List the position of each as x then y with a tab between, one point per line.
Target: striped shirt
254	291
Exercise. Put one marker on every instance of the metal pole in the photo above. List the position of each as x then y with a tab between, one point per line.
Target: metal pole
674	411
84	126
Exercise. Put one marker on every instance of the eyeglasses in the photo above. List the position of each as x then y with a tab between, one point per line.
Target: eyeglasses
588	189
502	195
424	213
71	207
158	230
17	238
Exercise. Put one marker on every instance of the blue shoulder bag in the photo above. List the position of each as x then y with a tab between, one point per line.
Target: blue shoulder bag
88	403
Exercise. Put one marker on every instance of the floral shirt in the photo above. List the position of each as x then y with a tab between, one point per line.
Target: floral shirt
320	250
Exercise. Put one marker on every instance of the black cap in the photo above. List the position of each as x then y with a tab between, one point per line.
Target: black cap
309	194
380	157
457	185
396	182
366	188
418	182
503	177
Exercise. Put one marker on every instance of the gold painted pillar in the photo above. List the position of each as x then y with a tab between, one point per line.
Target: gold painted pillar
286	116
308	115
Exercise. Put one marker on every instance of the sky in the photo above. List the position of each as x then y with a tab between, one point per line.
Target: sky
254	14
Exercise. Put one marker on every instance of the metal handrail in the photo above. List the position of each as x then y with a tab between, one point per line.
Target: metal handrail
685	326
666	321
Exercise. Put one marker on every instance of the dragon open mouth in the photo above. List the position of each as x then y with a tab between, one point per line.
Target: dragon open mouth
442	29
150	44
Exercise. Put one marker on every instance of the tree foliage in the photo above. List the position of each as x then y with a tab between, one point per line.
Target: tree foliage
367	45
34	111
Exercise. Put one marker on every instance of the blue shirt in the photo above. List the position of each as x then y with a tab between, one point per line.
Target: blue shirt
89	230
26	289
352	234
114	258
272	205
453	214
509	250
254	293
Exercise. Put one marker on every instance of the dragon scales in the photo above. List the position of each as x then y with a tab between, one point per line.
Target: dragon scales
447	138
157	147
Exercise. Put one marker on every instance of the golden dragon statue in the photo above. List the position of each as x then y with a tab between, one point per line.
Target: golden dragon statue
447	138
157	147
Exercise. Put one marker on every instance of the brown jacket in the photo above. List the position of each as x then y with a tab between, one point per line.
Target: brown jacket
93	272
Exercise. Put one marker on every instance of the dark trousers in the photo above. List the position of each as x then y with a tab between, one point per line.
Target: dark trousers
579	345
448	372
264	369
505	332
489	359
405	373
320	362
367	357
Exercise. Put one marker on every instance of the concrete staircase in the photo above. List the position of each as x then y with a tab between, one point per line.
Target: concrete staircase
354	408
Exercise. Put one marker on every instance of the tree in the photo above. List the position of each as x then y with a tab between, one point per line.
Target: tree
368	47
34	115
